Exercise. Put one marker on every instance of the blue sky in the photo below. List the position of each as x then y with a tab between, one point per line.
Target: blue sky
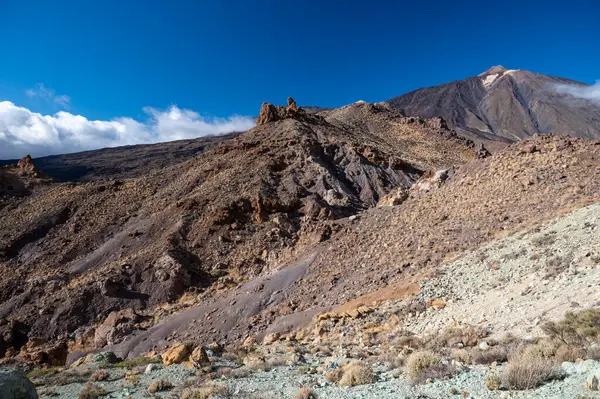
113	59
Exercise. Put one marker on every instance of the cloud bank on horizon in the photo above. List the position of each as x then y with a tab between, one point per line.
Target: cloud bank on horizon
591	93
25	132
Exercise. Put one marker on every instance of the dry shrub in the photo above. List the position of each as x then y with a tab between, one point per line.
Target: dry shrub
575	328
159	385
420	361
492	382
204	392
593	353
240	372
74	376
462	355
92	391
452	337
566	353
357	373
228	372
490	355
527	370
334	375
439	371
305	393
100	375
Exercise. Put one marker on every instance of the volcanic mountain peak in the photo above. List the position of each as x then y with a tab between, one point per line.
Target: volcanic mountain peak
498	69
504	105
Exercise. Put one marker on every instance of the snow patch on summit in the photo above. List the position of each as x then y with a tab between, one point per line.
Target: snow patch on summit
489	79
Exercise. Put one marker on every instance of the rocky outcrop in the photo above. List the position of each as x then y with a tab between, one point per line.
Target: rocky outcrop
15	385
431	180
483	152
45	354
116	327
396	197
272	113
27	167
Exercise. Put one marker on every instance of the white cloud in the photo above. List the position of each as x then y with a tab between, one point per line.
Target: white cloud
25	132
49	95
591	93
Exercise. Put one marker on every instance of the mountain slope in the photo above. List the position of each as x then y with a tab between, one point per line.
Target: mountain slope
122	162
503	105
386	252
71	253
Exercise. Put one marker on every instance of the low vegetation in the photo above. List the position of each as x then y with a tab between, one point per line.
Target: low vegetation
527	370
493	382
356	373
159	385
100	375
43	372
419	362
92	391
204	392
136	361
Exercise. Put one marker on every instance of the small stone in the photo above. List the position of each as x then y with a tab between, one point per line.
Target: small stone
150	368
483	346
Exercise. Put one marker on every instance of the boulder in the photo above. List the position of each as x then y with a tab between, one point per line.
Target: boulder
175	354
117	326
15	385
199	357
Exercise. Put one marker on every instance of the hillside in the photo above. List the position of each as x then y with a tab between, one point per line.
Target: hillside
501	106
73	253
122	162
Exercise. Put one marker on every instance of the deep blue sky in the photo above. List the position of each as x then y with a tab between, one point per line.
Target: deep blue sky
223	57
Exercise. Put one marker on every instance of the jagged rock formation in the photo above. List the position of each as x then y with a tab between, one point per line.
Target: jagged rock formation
500	106
16	180
272	113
